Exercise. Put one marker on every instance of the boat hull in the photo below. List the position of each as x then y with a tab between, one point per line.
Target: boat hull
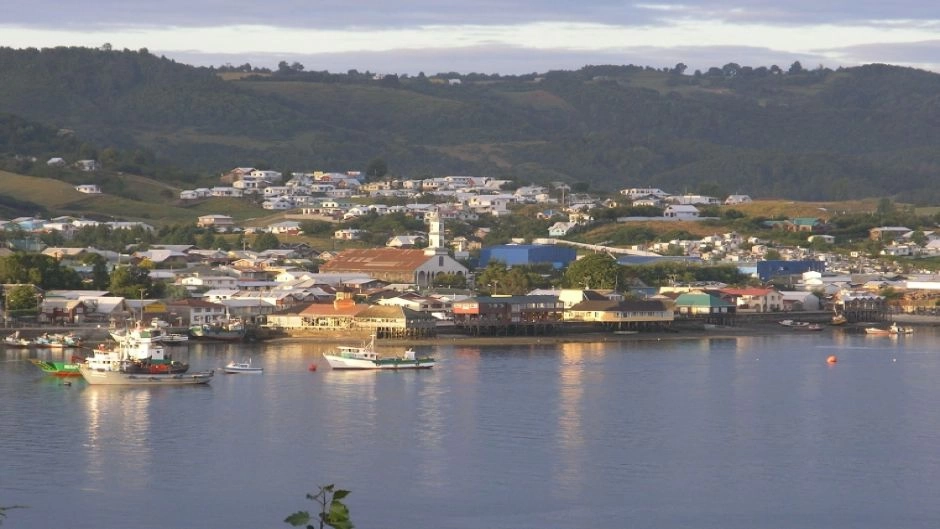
57	369
120	378
341	363
236	368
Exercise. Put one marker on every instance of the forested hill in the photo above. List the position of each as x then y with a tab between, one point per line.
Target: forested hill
767	131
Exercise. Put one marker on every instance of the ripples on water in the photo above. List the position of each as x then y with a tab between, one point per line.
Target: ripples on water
753	432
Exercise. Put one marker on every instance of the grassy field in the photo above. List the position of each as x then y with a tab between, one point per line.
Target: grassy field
790	209
153	202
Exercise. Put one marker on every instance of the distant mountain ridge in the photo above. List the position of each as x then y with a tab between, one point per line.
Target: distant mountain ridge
798	134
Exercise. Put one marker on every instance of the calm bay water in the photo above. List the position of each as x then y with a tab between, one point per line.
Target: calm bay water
713	433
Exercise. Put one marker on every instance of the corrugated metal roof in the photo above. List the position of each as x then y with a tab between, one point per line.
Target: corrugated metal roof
376	260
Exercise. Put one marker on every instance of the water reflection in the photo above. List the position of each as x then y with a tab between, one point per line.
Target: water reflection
118	434
569	429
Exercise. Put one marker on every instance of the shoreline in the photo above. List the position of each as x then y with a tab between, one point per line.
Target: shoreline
756	330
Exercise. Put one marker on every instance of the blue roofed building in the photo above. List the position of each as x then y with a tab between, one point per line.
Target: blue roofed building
528	254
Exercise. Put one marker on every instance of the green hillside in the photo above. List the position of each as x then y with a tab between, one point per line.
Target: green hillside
28	195
765	131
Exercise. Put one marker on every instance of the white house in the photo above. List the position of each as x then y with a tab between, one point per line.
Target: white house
347	234
694	199
89	189
634	193
287	227
560	229
681	211
737	199
226	192
87	166
219	222
269	176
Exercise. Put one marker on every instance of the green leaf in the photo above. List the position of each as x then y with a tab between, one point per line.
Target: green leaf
338	517
298	518
340	494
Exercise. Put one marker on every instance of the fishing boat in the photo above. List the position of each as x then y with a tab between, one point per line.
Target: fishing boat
894	329
59	369
15	340
230	331
174	339
899	329
138	363
365	357
242	367
58	341
138	353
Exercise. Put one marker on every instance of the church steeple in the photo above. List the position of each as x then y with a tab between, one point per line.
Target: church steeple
435	235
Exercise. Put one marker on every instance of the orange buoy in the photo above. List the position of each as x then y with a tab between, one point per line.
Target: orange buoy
313	367
832	359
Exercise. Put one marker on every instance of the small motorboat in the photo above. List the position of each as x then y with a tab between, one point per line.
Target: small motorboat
242	367
15	340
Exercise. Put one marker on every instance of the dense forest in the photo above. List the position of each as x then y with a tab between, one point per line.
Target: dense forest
769	131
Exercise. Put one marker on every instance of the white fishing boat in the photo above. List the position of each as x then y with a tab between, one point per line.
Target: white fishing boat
894	329
137	361
365	357
174	339
242	367
15	340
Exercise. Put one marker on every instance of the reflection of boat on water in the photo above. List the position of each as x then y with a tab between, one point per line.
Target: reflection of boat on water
243	367
232	330
365	357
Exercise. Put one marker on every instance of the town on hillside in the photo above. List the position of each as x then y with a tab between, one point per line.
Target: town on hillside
444	272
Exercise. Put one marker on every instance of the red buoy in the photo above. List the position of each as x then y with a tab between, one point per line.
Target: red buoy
313	367
832	359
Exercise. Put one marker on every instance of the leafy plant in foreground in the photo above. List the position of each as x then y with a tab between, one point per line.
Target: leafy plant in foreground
333	512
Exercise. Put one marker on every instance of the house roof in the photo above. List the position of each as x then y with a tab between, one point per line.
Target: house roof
746	291
805	221
331	309
694	299
624	306
376	260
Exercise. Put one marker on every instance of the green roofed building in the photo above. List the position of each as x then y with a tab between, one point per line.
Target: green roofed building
699	305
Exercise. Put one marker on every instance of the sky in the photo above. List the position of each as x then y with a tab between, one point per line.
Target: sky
490	36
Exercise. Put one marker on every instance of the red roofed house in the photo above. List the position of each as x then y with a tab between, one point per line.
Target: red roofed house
753	299
330	316
394	265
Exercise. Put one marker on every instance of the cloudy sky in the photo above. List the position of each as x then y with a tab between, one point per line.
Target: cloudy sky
490	36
